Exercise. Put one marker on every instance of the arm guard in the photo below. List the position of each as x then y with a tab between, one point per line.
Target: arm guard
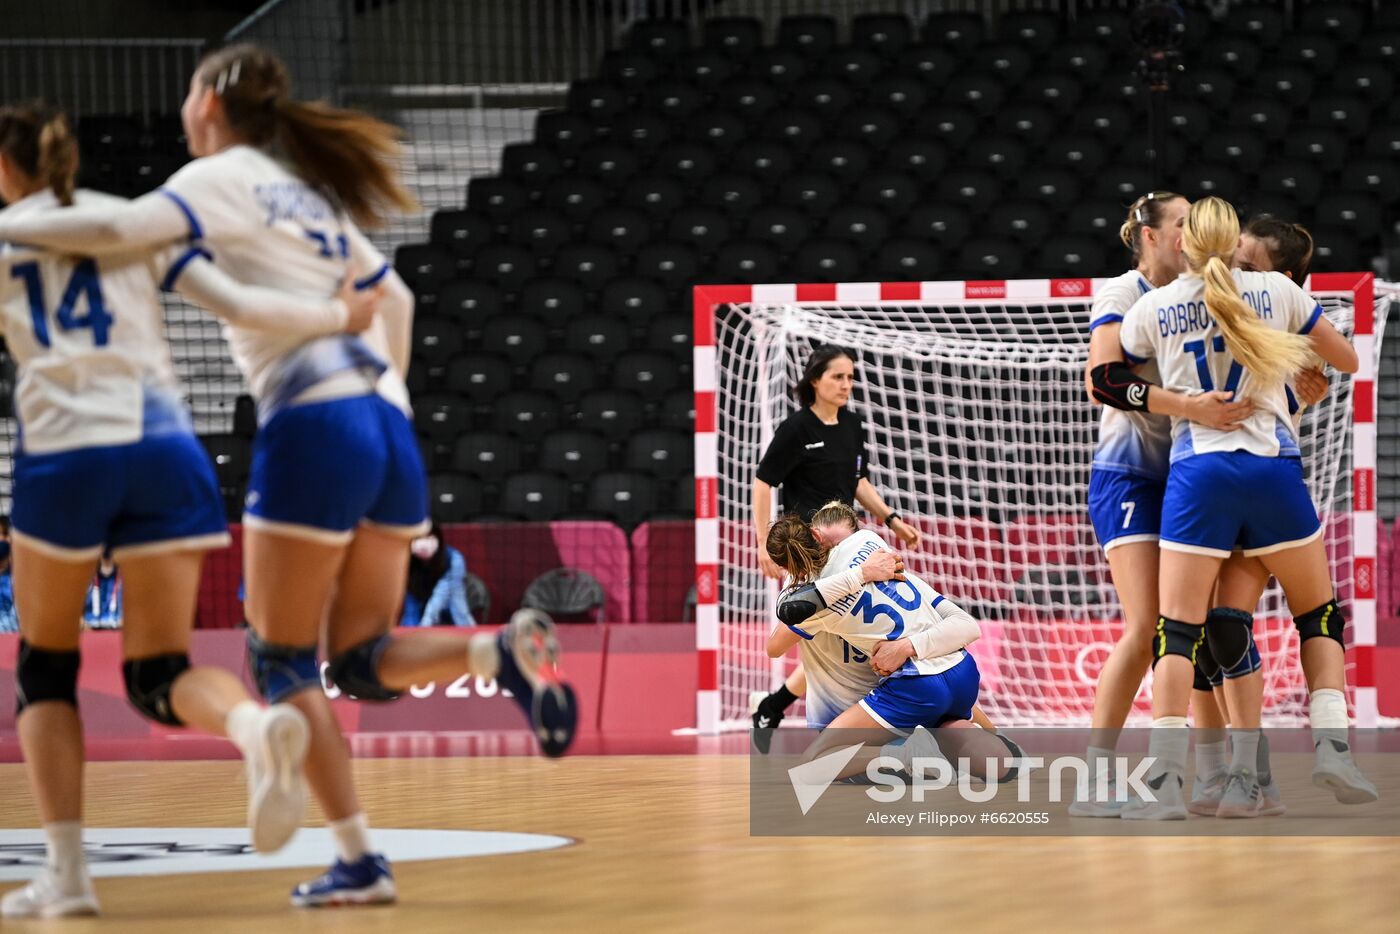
1116	385
798	604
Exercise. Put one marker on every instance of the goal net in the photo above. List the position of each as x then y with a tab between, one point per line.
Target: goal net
979	430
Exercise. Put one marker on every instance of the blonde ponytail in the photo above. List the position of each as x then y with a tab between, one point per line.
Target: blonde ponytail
1209	237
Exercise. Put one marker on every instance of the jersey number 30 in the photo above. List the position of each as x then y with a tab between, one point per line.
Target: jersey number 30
870	611
83	284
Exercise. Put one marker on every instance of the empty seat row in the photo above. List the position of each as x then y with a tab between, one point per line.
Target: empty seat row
625	497
573	454
613	414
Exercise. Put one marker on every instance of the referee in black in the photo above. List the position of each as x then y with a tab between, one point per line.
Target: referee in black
817	455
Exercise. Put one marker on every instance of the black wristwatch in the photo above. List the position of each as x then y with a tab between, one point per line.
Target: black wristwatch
891	517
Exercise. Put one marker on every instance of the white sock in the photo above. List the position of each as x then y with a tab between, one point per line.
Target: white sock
351	836
483	656
241	724
1327	711
66	860
1246	750
1168	743
1210	759
1095	755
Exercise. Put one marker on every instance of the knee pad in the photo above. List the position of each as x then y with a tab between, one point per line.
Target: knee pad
1207	669
148	684
1174	637
42	675
1327	620
1247	665
282	670
1228	633
356	671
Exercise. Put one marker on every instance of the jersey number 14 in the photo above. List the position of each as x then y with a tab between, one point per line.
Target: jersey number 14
83	284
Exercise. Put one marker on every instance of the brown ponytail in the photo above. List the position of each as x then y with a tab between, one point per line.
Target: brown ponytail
36	136
1209	237
793	548
350	156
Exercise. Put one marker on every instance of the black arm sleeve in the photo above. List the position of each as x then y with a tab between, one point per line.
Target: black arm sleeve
1116	384
798	604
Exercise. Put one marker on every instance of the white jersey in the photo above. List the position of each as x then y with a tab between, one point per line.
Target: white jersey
1129	442
265	226
879	612
1173	326
838	676
89	338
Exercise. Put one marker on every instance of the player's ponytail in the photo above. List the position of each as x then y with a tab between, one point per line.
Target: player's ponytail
37	138
793	548
350	156
1147	211
1209	237
1290	245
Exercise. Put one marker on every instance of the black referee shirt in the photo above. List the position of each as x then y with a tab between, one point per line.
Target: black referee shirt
816	463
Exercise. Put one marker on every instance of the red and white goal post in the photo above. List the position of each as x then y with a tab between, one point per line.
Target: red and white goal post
979	430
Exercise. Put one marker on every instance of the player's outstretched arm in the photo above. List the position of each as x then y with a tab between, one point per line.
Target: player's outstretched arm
1112	382
103	229
781	640
262	309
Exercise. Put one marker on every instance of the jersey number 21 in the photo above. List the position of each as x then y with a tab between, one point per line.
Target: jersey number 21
82	284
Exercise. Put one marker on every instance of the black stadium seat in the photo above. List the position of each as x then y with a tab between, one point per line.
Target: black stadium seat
591	265
442	417
703	229
462	232
612	413
645	372
745	261
1337	21
608	163
601	337
575	455
481	378
673	101
622	230
636	299
686	162
825	260
765	161
885	34
662	39
541	230
625	497
454	498
846	160
525	413
735	36
902	259
780	226
657	195
673	265
563	375
515	338
488	455
553	301
535	496
663	454
748	99
958	32
530	164
809	36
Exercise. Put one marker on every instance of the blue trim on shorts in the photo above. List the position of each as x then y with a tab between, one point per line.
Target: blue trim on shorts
927	700
332	465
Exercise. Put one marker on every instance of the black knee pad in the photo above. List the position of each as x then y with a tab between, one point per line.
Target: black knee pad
42	675
280	671
1174	637
1229	633
148	684
1327	620
1207	668
356	671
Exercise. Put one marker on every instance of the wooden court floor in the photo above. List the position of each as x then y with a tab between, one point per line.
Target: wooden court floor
663	845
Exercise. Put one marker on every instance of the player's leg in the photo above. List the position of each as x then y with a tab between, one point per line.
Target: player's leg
1126	512
1303	572
49	593
369	663
161	590
1250	791
770	709
1209	719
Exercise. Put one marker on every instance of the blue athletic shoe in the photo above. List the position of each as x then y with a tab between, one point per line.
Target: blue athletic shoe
529	659
366	881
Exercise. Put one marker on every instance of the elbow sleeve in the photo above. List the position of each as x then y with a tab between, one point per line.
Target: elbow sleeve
1116	385
798	604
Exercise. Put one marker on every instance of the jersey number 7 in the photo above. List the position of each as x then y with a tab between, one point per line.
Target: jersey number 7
1198	349
83	283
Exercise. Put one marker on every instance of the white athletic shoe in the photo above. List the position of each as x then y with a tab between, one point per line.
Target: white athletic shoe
1242	797
1205	795
1168	806
1272	805
1096	808
43	898
1336	771
276	788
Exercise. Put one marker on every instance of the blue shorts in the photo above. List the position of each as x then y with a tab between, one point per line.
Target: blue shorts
1124	507
902	703
322	469
1220	501
158	494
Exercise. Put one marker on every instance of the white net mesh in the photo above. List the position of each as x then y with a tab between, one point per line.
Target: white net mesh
979	429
